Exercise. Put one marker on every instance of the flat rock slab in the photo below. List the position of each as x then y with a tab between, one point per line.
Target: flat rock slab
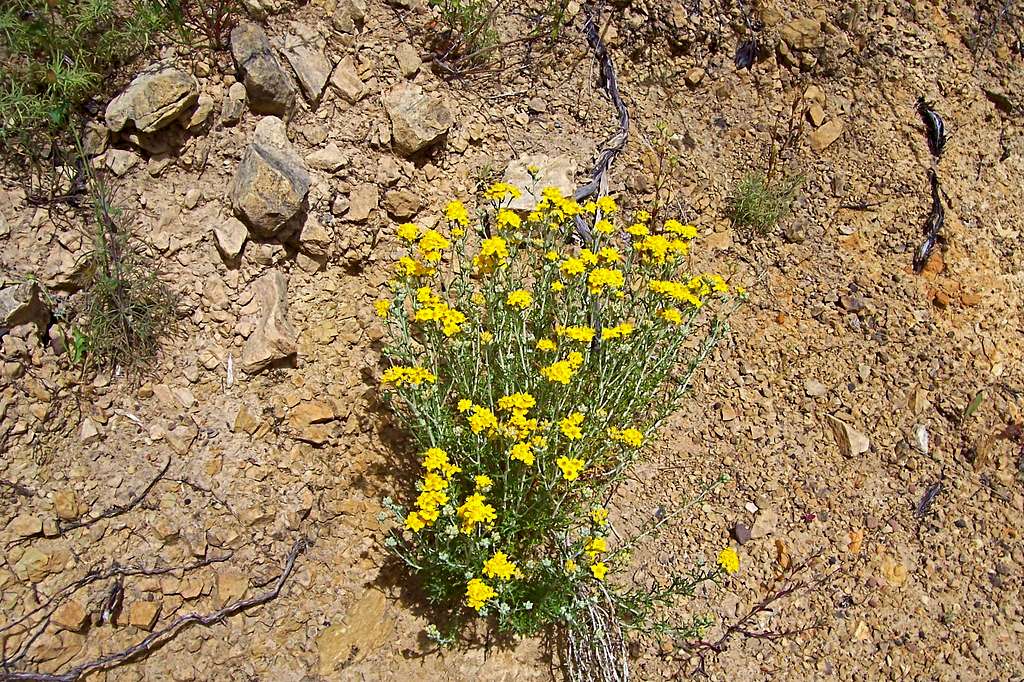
304	50
275	338
153	100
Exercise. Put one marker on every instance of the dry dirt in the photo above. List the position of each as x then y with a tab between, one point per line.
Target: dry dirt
838	327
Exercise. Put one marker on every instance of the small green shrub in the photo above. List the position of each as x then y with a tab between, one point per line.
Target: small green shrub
469	35
530	376
759	203
57	54
127	310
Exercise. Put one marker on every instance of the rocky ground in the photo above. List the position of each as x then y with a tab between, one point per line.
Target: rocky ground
268	182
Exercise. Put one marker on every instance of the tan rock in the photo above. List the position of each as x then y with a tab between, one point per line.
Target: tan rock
231	586
408	59
245	421
33	565
418	119
65	504
367	627
143	614
824	136
70	615
274	339
816	114
802	34
851	441
311	412
694	76
347	82
550	171
153	100
362	201
25	525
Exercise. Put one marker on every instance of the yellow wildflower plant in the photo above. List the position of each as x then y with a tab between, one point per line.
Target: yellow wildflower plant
729	560
529	364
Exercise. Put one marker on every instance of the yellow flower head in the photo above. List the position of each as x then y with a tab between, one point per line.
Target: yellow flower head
519	298
557	286
435	459
729	560
677	228
604	278
475	510
499	191
559	372
522	452
482	419
599	515
581	334
478	593
671	315
570	566
498	566
547	345
456	212
483	482
638	230
595	546
486	336
464	405
382	306
609	254
570	467
414	522
599	569
507	218
408	231
630	436
434	482
517	401
551	256
414	376
619	331
607	205
573	266
604	227
570	426
493	254
431	245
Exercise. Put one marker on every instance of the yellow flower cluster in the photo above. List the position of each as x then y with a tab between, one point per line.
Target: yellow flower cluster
658	249
482	419
431	245
520	298
493	254
456	212
619	331
671	315
410	267
729	560
499	566
600	279
677	291
475	510
570	467
432	496
570	426
508	219
433	309
477	593
383	307
563	370
630	436
547	345
581	334
399	376
594	547
683	231
500	191
599	515
408	231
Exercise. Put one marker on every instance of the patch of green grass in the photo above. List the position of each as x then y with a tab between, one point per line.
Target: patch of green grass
759	203
128	311
57	54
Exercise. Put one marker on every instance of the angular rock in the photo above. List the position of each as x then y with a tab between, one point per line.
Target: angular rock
330	158
271	183
65	504
89	433
33	565
314	238
851	441
25	526
22	304
231	586
143	614
408	59
824	136
70	615
274	339
204	107
234	104
304	50
349	15
268	85
741	533
311	412
552	171
694	76
362	200
401	203
347	82
418	120
153	100
815	388
230	236
802	34
245	421
120	161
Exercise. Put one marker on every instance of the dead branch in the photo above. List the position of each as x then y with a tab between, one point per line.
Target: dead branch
167	633
702	649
